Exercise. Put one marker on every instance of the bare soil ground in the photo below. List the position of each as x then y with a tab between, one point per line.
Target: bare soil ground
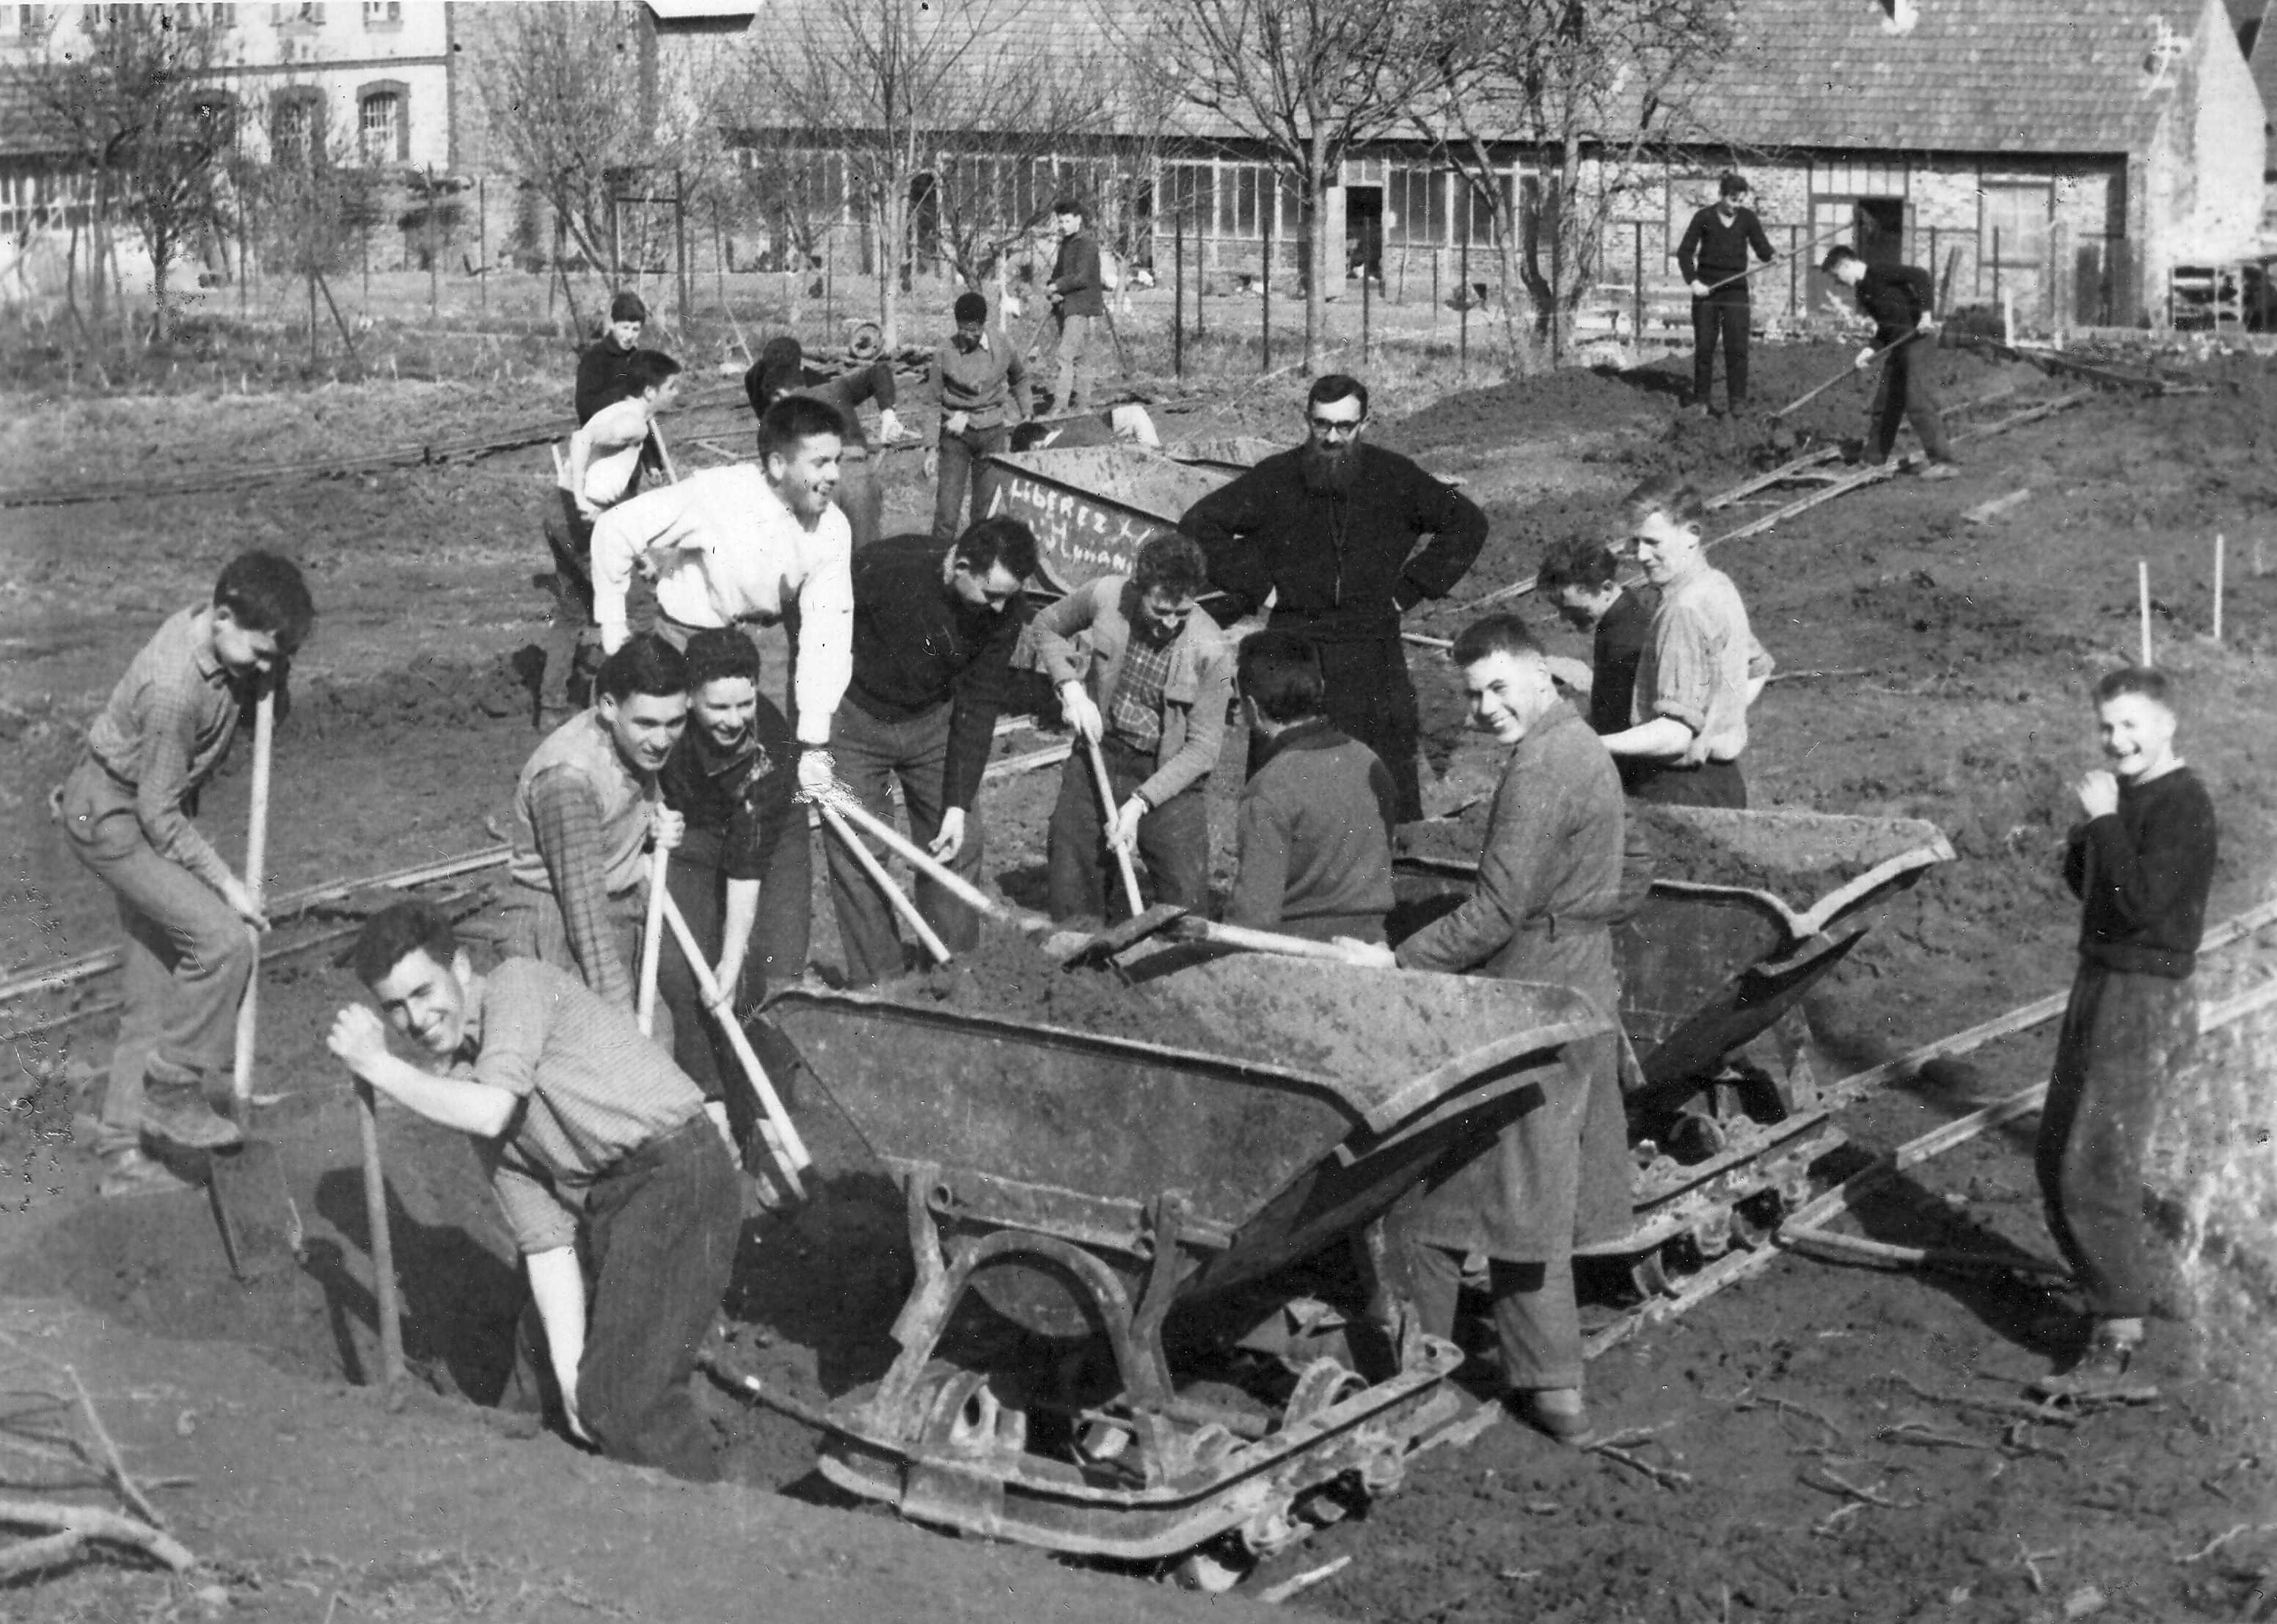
1955	658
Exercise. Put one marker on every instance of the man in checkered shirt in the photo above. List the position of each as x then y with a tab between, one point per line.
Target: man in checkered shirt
590	1136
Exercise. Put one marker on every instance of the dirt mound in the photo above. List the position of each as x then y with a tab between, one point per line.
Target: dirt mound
1007	976
1576	400
426	693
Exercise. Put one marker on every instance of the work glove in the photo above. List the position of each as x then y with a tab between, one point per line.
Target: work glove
817	774
1081	713
889	426
1700	290
1865	358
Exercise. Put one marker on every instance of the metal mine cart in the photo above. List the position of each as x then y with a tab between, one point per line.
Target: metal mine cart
1113	1347
1091	506
1728	1116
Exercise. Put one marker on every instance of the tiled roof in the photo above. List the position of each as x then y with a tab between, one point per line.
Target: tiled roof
2264	59
2025	76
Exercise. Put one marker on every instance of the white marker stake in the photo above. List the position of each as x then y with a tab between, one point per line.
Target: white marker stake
2143	593
2220	552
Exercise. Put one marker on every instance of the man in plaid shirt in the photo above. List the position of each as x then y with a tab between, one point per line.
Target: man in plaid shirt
190	921
1148	675
589	1133
586	808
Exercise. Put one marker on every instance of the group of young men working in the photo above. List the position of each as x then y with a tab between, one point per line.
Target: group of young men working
611	1151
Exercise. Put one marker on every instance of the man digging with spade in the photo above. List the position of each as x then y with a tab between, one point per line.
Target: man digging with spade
1902	300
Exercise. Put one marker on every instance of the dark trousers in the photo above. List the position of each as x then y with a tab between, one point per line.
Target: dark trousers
961	470
1537	1323
698	1046
1370	696
2122	1033
574	645
1720	318
1906	395
1173	839
870	753
659	1242
1665	783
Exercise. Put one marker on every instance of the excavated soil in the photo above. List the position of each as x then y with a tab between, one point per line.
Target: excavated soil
1007	975
1818	1456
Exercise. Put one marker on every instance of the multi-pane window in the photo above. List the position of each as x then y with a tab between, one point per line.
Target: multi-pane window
383	14
2013	222
1415	206
379	128
295	124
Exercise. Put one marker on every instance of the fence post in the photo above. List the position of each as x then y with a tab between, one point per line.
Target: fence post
1463	336
481	242
1996	267
1270	203
1636	292
679	245
1178	298
1366	309
2060	283
434	260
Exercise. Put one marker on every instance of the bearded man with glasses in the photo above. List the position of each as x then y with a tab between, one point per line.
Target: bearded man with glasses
1344	538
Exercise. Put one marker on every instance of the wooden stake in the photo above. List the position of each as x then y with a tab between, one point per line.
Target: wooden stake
256	859
2143	595
382	1240
2220	549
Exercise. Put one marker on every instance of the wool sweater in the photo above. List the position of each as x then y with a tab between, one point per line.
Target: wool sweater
2143	873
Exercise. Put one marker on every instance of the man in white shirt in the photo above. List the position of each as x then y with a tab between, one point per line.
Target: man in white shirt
744	544
604	454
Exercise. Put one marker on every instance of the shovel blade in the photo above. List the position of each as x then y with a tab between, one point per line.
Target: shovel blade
1108	943
254	1208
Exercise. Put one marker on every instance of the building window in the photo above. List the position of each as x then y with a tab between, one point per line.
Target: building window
307	14
2013	223
296	128
383	129
1415	206
383	14
29	21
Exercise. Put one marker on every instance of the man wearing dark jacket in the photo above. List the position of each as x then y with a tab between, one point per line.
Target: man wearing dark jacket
934	633
1331	530
1902	300
1713	258
1078	298
601	369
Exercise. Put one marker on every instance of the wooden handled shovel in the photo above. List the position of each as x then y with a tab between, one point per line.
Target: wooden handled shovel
660	865
835	821
253	1206
383	1242
1191	930
1852	370
1106	810
775	1125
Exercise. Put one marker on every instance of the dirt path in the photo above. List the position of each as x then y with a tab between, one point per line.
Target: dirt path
1963	653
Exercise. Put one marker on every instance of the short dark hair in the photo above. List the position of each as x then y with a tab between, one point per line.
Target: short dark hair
720	652
646	369
1173	561
646	665
1331	388
1586	566
264	592
1280	673
1071	205
1497	633
1670	493
627	308
398	931
1029	434
1732	184
1838	255
796	419
1001	540
2152	685
969	308
781	367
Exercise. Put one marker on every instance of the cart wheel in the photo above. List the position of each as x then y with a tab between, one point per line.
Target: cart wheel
865	340
1213	1569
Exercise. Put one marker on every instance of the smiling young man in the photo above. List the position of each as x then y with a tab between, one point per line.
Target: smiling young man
1147	675
1548	891
1701	668
2141	863
190	920
586	810
594	1141
780	371
935	628
1334	532
731	778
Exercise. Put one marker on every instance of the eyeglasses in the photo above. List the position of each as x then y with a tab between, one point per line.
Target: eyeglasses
1336	425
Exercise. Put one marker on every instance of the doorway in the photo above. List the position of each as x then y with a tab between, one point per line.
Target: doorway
1364	232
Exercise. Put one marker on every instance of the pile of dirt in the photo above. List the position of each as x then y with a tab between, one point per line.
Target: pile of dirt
426	693
1007	976
1572	400
1680	851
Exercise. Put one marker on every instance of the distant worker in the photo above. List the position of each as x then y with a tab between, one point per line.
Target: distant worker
190	922
1148	675
982	385
1548	891
935	628
1580	581
601	369
587	810
614	1187
602	468
1701	668
1126	423
1313	843
1334	532
1078	300
861	495
2142	864
1902	300
1713	258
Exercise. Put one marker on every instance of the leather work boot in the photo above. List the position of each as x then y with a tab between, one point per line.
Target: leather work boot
2101	1372
178	1114
128	1173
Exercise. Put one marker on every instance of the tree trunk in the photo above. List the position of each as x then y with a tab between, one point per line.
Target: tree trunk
159	329
893	230
1317	179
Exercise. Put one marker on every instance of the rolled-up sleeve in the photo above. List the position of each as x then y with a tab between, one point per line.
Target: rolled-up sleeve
1685	661
668	516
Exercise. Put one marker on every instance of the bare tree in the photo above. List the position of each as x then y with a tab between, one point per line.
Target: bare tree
1308	79
1599	89
919	101
130	99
